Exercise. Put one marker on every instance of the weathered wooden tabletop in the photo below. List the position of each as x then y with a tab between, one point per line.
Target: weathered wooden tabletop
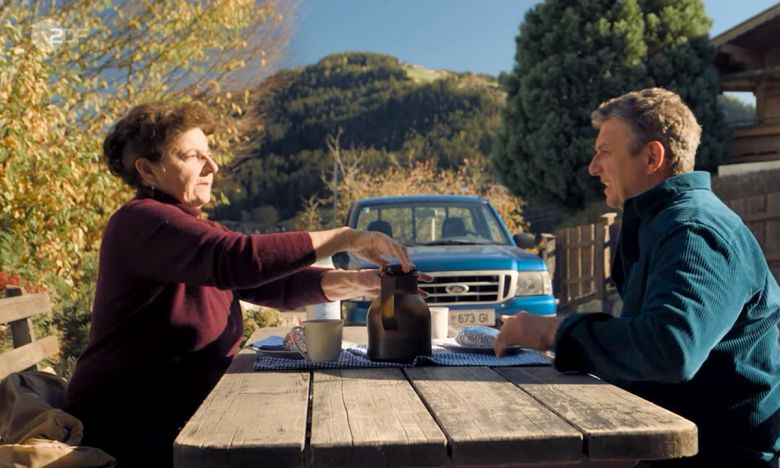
424	416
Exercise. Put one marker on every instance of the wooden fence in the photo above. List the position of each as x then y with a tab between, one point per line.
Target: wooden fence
582	262
583	254
761	213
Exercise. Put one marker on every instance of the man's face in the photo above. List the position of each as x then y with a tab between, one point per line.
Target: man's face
623	174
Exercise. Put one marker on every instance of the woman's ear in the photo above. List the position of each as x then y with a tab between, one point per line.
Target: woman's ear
144	168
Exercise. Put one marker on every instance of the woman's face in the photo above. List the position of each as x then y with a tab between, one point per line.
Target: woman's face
187	171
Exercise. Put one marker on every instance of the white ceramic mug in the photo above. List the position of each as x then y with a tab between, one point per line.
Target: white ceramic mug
323	339
440	322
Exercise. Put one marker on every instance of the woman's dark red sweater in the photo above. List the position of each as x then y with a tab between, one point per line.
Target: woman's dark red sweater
166	321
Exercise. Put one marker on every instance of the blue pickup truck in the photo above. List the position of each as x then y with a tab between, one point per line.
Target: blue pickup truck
479	270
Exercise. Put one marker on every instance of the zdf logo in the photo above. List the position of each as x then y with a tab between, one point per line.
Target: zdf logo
48	35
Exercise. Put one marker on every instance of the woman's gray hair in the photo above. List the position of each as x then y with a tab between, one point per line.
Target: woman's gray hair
656	114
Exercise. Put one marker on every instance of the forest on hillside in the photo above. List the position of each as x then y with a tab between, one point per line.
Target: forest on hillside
396	114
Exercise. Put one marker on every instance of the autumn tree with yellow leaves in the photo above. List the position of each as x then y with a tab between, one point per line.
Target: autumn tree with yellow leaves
68	71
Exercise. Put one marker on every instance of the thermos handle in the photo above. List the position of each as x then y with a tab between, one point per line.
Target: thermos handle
387	305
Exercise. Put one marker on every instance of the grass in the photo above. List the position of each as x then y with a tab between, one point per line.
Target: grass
424	75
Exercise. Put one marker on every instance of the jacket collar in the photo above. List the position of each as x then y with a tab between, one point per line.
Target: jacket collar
649	201
147	192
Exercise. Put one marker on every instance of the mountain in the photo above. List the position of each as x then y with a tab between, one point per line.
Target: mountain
392	110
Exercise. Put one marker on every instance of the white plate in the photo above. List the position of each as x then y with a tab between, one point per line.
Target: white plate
292	354
276	351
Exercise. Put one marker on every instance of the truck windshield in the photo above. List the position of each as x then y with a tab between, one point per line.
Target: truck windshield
425	224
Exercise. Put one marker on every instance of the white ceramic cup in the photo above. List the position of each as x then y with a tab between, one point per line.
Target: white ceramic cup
323	339
440	322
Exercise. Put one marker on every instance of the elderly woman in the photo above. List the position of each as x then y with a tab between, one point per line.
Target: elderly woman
166	321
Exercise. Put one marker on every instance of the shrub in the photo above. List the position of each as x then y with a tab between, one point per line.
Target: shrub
258	317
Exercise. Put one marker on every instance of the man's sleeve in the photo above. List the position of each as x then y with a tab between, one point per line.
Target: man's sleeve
693	296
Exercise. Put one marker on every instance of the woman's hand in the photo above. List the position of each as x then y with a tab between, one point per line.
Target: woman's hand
374	247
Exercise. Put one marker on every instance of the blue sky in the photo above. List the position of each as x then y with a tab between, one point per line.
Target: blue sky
457	35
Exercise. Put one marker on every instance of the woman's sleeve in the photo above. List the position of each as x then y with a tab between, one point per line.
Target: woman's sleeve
296	290
165	244
693	296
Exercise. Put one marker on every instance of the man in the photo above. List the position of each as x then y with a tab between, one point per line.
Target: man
698	331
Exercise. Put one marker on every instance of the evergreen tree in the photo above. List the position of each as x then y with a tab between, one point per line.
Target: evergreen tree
681	58
572	55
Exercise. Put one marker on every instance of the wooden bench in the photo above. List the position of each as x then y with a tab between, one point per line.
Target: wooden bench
17	310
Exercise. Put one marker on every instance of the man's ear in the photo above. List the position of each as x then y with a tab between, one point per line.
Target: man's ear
144	168
656	157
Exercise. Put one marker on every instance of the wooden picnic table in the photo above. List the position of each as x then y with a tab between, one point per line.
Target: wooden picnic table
424	416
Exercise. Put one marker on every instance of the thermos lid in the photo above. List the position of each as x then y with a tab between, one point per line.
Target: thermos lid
395	270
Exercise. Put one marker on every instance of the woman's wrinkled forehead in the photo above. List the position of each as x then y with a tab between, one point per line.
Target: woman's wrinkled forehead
192	139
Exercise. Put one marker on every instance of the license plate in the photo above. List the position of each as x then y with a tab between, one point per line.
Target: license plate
468	318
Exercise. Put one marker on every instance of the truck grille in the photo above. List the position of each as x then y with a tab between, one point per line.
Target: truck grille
460	288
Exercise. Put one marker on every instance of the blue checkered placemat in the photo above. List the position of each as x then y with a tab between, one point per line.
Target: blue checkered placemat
355	357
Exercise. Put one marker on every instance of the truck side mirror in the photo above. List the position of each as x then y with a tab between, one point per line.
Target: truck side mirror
524	240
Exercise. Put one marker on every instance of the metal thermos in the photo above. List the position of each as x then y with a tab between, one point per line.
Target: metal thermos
399	322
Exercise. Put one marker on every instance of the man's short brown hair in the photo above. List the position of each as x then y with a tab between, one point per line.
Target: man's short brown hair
148	131
656	114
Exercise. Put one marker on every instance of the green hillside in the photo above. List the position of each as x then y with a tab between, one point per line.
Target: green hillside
386	107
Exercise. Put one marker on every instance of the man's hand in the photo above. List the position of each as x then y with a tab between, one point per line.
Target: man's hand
526	330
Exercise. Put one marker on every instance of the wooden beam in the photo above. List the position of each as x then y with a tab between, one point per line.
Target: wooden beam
773	256
28	355
750	58
741	86
22	307
745	26
581	279
752	158
762	216
598	267
587	257
753	75
573	256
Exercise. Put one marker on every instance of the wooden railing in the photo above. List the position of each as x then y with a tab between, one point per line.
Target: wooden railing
17	311
756	143
582	262
583	254
761	213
